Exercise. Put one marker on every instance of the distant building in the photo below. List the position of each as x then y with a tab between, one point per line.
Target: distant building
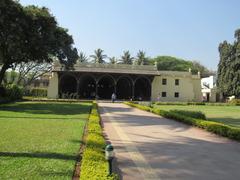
41	82
128	82
209	89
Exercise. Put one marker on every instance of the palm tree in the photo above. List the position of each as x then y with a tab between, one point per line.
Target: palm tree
113	60
82	57
141	58
126	58
98	56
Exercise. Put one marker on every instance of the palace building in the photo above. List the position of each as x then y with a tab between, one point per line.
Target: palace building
128	82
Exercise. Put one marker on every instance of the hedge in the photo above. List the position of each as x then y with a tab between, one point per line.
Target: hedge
180	103
36	92
230	103
211	126
39	92
93	164
235	102
193	114
14	92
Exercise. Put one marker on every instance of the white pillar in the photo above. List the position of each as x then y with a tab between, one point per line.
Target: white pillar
53	86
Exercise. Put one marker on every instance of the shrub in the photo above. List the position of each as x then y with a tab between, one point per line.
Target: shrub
94	165
39	92
235	102
193	114
171	103
36	92
180	103
14	92
211	126
142	107
2	91
196	103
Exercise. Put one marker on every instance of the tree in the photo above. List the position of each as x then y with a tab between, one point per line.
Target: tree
169	63
10	77
126	58
198	67
98	56
31	34
28	72
228	80
82	57
141	58
64	51
113	60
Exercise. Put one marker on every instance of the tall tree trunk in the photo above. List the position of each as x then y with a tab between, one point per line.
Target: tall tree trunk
2	72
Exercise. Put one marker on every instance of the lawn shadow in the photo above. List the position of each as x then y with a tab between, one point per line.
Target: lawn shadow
42	155
48	108
54	173
228	121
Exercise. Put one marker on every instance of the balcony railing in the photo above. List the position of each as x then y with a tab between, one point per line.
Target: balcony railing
58	66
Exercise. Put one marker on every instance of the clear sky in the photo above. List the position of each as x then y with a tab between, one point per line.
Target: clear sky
189	29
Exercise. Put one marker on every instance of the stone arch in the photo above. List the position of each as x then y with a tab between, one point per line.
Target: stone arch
106	86
68	84
87	86
142	88
124	87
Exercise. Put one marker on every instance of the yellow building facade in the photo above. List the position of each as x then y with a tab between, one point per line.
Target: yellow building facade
128	82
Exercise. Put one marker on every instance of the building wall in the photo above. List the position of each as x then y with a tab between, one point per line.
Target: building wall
212	94
208	81
209	88
53	86
196	80
189	88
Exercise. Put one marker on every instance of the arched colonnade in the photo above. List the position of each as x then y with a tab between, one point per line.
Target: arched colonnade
101	86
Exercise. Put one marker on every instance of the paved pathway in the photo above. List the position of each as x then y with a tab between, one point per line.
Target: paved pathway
151	147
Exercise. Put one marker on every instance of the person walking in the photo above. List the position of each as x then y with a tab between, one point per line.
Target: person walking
113	97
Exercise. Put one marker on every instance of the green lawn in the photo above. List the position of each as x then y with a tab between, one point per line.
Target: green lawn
40	140
226	114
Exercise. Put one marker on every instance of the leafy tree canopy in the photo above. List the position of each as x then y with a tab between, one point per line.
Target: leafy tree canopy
31	34
113	60
126	58
228	80
98	56
169	63
82	57
141	58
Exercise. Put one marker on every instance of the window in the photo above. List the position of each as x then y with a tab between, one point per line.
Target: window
164	94
176	94
176	82
164	81
45	83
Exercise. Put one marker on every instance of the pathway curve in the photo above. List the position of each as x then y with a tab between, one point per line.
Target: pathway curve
148	146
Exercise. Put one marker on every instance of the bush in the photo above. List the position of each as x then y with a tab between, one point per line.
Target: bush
2	91
14	92
235	102
211	126
180	103
193	114
142	107
171	103
94	165
39	92
36	92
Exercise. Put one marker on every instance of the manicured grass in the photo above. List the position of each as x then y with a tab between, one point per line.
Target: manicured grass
40	140
229	115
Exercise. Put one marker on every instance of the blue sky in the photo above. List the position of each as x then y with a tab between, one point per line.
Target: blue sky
189	29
